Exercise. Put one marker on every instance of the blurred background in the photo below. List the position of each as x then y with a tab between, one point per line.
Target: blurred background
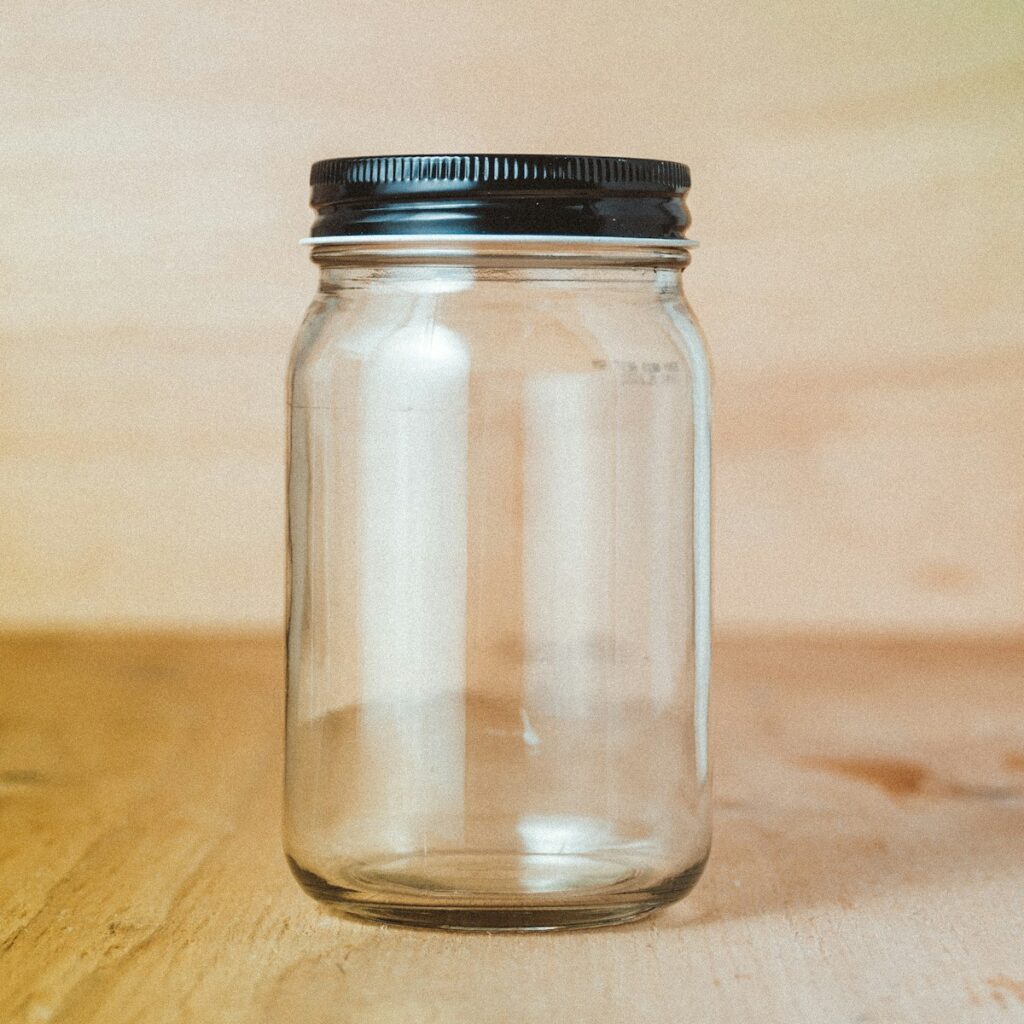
858	175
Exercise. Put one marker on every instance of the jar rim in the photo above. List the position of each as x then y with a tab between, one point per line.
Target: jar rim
452	240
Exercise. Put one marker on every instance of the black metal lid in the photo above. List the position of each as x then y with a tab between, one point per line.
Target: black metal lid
500	194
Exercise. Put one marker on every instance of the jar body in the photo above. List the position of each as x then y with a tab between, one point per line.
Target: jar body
498	630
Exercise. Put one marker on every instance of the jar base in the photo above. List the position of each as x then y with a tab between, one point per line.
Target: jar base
525	892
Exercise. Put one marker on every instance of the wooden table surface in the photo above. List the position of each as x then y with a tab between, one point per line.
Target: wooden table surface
868	863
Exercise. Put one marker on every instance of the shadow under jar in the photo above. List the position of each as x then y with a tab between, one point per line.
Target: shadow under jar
499	545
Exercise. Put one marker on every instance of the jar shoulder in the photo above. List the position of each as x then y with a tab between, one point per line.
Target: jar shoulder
508	331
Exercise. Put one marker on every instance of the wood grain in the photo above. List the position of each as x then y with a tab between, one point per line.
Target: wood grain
867	865
858	171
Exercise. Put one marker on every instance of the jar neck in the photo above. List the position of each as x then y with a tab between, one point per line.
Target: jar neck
492	250
467	258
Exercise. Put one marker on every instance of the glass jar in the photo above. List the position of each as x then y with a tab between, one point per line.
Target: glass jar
499	545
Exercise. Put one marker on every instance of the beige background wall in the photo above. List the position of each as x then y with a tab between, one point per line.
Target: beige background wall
858	195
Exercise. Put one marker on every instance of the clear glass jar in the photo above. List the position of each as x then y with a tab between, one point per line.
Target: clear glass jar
499	551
